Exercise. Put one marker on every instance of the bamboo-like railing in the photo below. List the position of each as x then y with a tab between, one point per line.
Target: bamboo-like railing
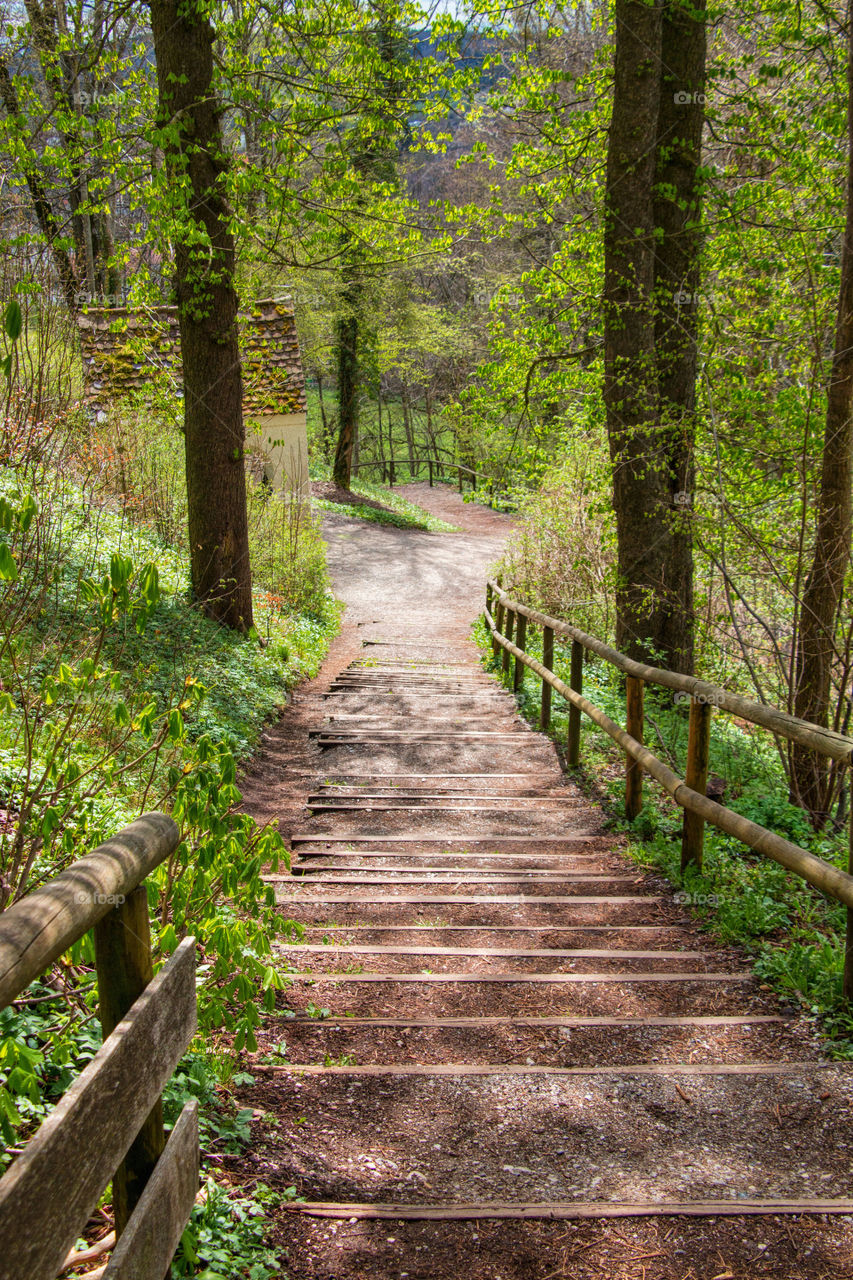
108	1126
506	618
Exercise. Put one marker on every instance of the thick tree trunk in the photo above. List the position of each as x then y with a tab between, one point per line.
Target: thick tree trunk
825	582
677	214
207	307
641	490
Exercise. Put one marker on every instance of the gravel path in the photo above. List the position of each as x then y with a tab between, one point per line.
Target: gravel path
518	1024
384	573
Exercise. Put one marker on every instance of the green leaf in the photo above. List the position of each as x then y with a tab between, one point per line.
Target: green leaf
13	321
8	568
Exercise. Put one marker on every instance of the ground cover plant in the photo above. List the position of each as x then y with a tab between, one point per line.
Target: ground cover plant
118	696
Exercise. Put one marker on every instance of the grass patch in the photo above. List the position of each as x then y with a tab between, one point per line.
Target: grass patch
385	506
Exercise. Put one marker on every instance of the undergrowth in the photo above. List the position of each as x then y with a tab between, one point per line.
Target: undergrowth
118	696
793	934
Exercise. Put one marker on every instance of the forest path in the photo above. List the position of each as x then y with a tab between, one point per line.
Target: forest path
518	1021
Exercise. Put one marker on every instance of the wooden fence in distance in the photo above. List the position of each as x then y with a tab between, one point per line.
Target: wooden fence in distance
506	618
108	1126
435	470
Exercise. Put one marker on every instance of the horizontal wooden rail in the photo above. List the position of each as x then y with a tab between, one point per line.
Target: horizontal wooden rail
698	807
39	928
108	1125
825	741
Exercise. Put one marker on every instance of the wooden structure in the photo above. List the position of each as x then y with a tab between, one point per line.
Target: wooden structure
108	1126
124	349
689	793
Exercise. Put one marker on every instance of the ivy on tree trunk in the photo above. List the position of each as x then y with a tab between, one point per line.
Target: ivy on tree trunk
651	273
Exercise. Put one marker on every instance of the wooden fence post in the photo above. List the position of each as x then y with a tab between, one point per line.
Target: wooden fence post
499	623
520	637
124	969
509	624
459	469
573	745
634	688
429	463
696	777
547	661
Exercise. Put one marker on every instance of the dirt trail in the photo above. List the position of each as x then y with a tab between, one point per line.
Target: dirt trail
522	1035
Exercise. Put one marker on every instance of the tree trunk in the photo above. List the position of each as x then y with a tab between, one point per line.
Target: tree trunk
207	311
346	341
641	489
825	582
326	434
374	162
42	208
677	215
406	406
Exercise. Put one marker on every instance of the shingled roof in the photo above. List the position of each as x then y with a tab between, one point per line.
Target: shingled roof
123	346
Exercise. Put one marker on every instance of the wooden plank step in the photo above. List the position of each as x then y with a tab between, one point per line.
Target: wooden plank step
436	837
544	799
446	876
487	866
354	721
574	953
581	858
351	805
425	775
411	736
533	1020
495	928
301	897
524	1069
450	1211
396	793
518	978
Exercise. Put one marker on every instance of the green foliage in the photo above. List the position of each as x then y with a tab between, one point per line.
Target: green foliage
225	1238
560	556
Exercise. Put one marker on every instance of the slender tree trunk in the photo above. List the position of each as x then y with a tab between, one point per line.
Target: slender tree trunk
207	311
346	341
825	582
406	405
379	437
677	215
375	163
641	488
327	436
42	208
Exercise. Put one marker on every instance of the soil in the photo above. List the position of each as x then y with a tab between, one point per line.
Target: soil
427	1056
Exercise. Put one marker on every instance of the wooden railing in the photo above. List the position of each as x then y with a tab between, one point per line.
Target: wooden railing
108	1126
506	618
435	469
